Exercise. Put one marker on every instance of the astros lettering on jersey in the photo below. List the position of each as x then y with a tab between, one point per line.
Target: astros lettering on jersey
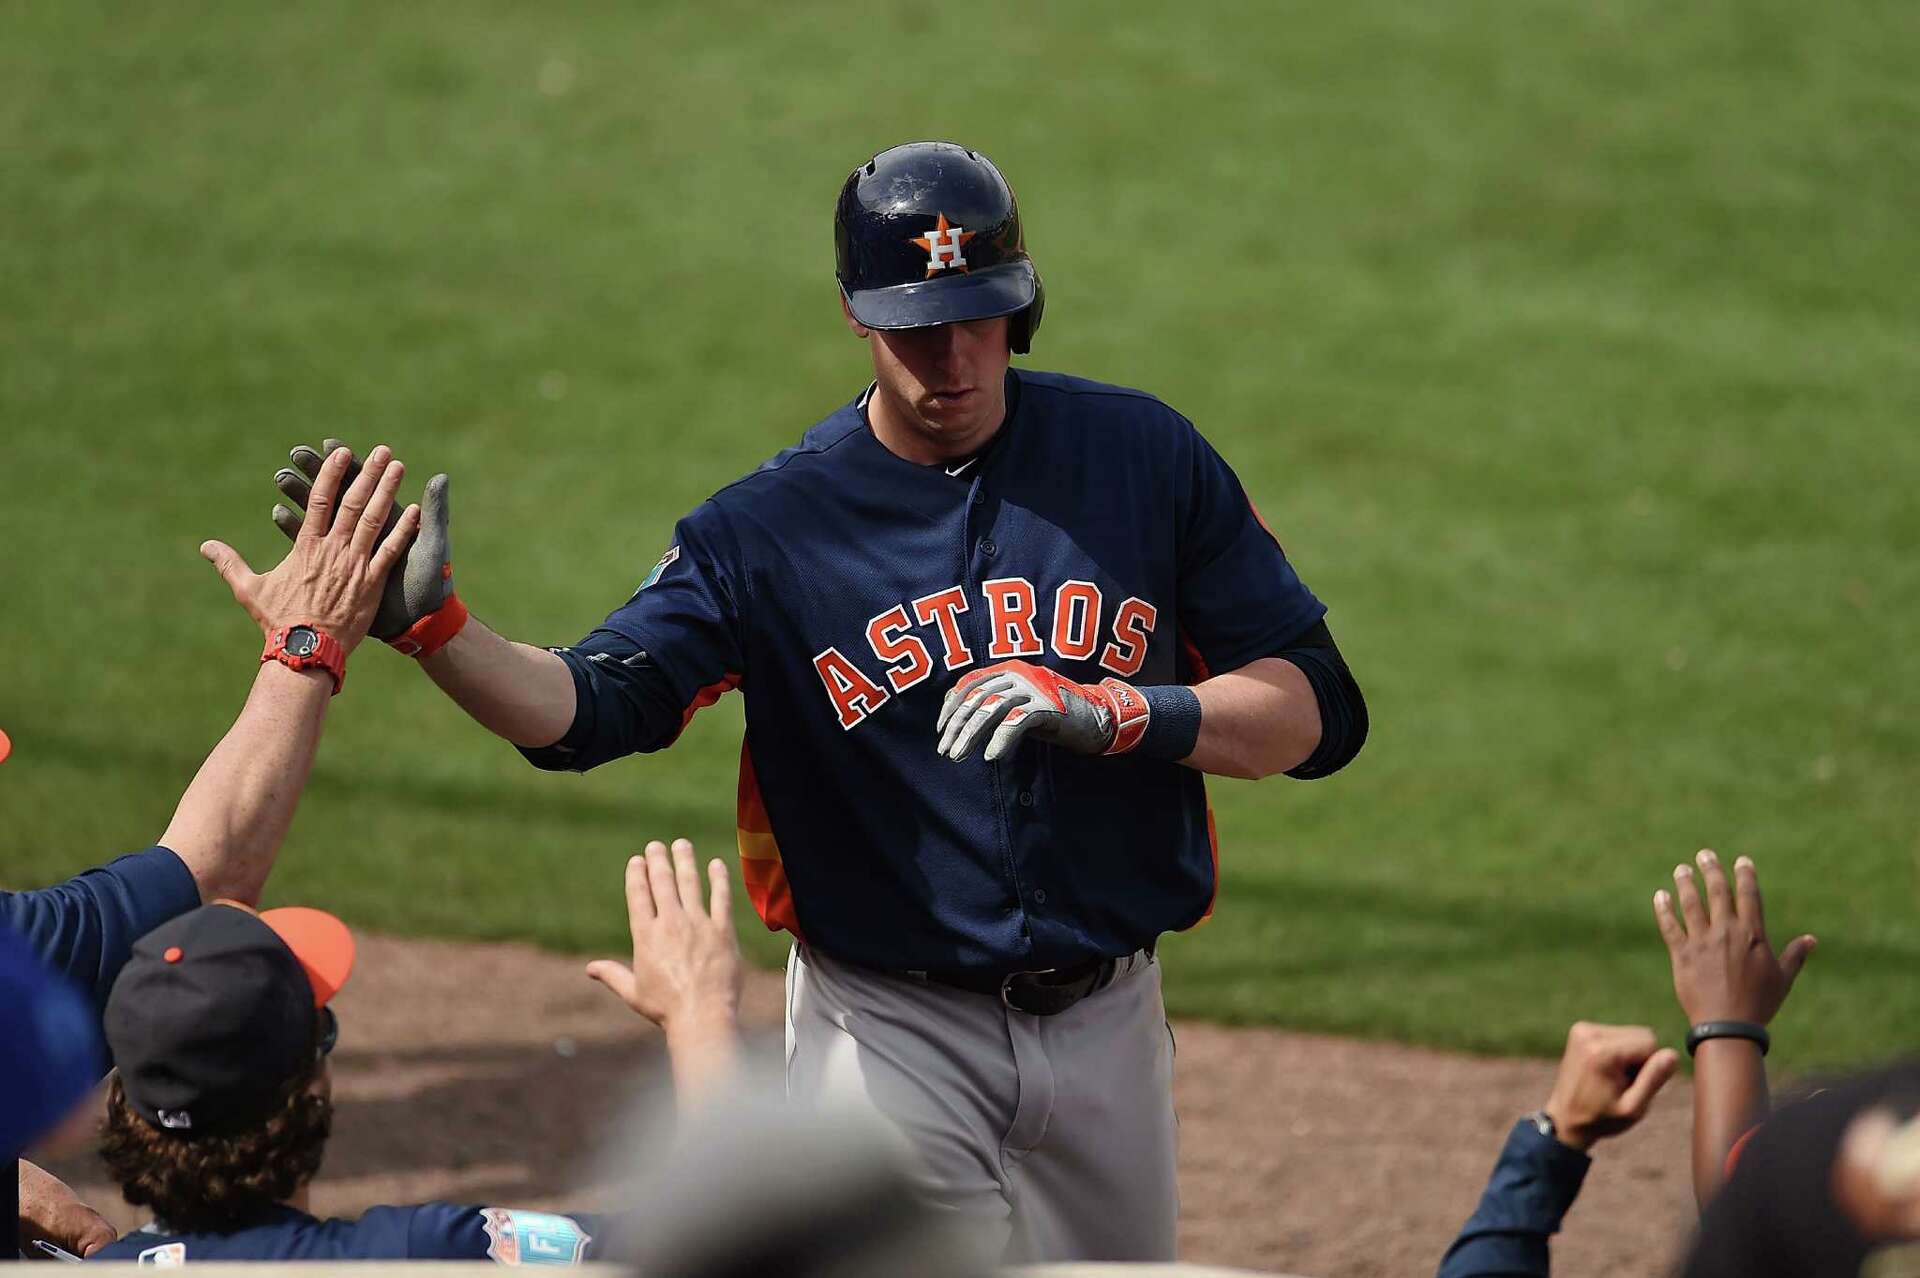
844	589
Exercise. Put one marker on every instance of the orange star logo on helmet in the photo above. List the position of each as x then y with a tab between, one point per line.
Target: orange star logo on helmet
943	245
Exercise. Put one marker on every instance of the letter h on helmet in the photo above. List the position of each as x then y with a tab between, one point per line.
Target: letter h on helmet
928	233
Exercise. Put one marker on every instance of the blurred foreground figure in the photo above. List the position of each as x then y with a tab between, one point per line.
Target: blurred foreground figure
760	1187
1821	1187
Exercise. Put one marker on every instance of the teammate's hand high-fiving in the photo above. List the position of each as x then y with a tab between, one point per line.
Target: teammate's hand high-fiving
419	611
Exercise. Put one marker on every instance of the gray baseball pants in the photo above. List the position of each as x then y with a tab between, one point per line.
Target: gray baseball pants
1053	1135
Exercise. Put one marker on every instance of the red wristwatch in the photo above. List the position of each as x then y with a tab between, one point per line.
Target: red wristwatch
304	648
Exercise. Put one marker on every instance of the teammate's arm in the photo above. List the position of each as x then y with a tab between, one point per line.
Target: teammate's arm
230	822
1724	969
686	973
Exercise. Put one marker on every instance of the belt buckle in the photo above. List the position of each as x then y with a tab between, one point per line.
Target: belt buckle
1006	986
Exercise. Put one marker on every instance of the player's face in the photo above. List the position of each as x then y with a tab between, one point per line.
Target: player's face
942	390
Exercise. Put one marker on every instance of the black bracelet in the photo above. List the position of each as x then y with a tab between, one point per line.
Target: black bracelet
1728	1029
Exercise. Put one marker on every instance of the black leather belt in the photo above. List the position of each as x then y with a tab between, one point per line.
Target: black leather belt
1041	992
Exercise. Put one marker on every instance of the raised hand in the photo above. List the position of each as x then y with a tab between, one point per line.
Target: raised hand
425	581
342	556
1724	968
1608	1077
686	956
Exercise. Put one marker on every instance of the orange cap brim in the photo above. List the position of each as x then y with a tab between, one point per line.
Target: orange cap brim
6	747
322	944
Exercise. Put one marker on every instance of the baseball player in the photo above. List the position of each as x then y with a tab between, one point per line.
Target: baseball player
992	628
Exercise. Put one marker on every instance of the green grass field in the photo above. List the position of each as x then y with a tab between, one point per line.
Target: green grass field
1572	349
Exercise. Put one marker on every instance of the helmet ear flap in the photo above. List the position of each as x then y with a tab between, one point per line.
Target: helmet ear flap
1022	327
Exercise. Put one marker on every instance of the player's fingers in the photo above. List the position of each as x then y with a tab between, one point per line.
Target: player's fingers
360	492
1012	730
379	514
1794	957
232	568
1688	894
326	494
640	911
986	716
617	977
666	892
686	874
1746	895
287	521
1719	894
967	707
395	543
719	893
307	461
1670	930
1646	1084
957	695
294	485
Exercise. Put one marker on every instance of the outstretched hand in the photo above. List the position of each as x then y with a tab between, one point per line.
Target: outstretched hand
424	581
343	553
686	957
1608	1077
1724	968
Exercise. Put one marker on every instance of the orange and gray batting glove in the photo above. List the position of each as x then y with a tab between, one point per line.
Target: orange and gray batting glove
1017	699
419	612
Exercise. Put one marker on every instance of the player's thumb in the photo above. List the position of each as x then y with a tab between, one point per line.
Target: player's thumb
227	562
434	507
1654	1074
617	977
1795	956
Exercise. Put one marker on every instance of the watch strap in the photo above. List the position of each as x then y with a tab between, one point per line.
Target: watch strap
327	653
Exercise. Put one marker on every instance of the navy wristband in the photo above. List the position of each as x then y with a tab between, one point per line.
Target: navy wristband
1173	723
1705	1030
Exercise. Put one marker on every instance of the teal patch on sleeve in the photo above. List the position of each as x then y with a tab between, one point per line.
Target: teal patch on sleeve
533	1237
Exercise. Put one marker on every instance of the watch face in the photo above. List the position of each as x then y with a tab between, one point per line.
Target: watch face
301	641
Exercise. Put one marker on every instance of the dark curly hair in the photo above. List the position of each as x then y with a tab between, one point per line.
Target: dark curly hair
215	1182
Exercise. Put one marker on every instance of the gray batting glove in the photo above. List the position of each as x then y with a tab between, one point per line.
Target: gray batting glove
424	581
1017	699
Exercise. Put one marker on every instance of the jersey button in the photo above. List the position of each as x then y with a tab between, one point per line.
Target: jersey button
987	547
1039	896
979	497
1026	798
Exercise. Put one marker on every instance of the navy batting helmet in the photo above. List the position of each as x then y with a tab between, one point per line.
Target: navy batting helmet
928	233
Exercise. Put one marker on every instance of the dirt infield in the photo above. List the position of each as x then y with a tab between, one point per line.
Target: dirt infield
480	1073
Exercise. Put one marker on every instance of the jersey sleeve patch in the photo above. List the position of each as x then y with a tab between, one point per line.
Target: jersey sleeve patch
666	562
166	1256
517	1237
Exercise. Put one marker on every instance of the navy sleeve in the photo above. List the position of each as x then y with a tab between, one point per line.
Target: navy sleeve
1343	711
669	650
1534	1182
505	1235
86	927
1239	598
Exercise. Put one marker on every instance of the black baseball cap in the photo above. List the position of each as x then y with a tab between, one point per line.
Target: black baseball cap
220	1009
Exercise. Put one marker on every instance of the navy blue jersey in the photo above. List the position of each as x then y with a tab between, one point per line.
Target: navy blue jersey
426	1231
85	927
844	589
